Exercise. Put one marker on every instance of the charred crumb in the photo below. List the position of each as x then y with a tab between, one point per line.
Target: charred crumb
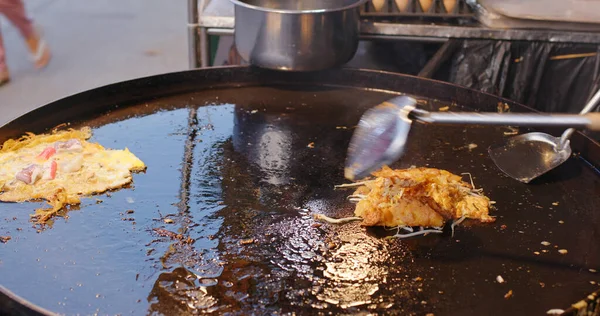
161	232
129	212
248	241
5	239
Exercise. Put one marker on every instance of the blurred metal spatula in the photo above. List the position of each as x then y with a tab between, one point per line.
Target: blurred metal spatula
383	131
528	156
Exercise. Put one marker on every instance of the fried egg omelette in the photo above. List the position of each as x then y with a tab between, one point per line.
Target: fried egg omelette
424	197
60	167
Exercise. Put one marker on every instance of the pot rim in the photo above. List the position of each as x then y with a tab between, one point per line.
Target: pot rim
242	3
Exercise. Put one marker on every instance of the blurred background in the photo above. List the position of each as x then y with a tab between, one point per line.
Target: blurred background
93	43
539	54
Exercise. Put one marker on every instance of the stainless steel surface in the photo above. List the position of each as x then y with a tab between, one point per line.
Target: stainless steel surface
412	38
297	35
579	11
475	31
543	14
229	32
388	30
220	32
382	134
510	119
204	48
528	156
592	103
192	29
380	138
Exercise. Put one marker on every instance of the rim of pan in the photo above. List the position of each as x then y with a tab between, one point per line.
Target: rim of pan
243	3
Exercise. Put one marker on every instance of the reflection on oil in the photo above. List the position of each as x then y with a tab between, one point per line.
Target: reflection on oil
181	291
355	269
274	254
274	152
266	141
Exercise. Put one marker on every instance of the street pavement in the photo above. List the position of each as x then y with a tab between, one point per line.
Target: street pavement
94	43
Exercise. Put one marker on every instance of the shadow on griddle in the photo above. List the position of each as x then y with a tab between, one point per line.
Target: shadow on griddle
569	170
465	246
440	247
538	261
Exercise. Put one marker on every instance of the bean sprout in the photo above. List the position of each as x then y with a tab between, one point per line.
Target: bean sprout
344	220
474	190
350	185
420	232
456	223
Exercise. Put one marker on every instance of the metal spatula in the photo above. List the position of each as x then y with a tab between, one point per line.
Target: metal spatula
528	156
383	131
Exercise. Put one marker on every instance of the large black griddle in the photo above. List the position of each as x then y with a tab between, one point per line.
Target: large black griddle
238	159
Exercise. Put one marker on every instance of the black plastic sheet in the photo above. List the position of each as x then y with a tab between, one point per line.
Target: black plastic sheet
550	77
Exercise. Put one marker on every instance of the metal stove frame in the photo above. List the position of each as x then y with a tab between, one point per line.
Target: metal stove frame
204	21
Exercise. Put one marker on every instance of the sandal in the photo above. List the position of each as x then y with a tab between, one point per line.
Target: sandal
41	56
4	78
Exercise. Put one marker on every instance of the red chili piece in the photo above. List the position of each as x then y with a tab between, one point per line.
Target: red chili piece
47	153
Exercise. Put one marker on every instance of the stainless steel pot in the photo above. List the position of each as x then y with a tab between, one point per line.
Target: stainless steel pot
297	35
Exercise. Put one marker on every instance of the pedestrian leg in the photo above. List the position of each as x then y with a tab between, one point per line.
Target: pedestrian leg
14	10
4	76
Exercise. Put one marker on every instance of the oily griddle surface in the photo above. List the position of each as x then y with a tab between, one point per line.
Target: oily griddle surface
253	183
